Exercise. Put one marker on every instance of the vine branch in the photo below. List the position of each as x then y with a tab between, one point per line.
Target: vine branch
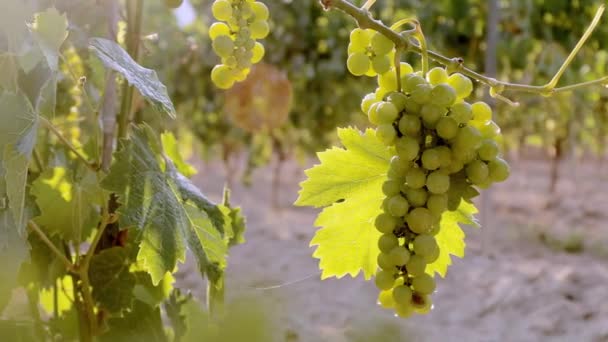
67	143
68	264
364	19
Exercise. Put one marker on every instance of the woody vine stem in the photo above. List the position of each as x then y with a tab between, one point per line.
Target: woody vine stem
404	42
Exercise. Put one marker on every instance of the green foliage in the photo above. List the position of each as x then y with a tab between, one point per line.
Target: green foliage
145	80
112	280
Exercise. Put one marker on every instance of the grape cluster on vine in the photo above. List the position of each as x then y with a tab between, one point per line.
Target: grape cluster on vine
444	148
240	24
369	53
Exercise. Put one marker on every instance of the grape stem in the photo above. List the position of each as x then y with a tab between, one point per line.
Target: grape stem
365	21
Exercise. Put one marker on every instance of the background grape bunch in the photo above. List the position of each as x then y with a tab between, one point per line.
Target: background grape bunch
240	24
444	148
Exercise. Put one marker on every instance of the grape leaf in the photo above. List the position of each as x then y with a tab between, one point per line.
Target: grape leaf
343	173
238	220
347	240
50	29
69	206
114	57
111	279
142	323
152	201
172	150
451	237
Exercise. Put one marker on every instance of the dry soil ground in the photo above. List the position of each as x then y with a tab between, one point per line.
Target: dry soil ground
538	271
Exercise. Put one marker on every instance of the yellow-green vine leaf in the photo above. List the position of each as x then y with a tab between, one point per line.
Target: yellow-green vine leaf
451	237
349	183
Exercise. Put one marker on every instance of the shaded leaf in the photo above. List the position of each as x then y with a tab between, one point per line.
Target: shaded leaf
111	279
171	149
145	80
141	323
50	29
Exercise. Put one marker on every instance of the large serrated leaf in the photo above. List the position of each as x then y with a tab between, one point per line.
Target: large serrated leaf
152	201
50	29
112	280
145	80
347	240
451	237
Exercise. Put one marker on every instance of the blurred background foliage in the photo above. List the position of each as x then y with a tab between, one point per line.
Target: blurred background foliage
308	48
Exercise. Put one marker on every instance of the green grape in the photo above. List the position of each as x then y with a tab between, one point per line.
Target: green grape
407	148
489	130
437	204
385	223
247	11
386	133
388	80
384	280
424	244
372	113
222	76
260	11
380	44
462	85
461	112
218	29
421	304
173	3
498	170
387	242
385	262
468	137
358	63
398	168
381	64
481	111
398	206
399	255
477	171
412	81
404	310
415	266
432	257
415	178
405	69
258	53
390	188
259	29
438	182
367	102
360	39
436	76
380	92
463	153
421	93
387	113
223	46
402	294
423	284
488	150
447	128
443	95
410	125
398	100
222	10
420	220
412	107
385	299
431	160
455	165
431	114
445	156
416	197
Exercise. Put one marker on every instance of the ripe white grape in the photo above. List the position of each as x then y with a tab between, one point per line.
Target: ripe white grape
259	29
407	148
386	133
481	111
218	29
385	262
436	76
358	63
222	10
385	223
380	44
416	197
415	178
425	244
387	113
447	127
421	93
420	220
384	280
431	159
381	64
424	284
416	265
385	299
399	255
360	39
461	112
222	76
223	46
438	182
443	95
260	11
488	150
398	206
498	170
462	85
410	125
477	171
437	204
402	294
387	242
431	113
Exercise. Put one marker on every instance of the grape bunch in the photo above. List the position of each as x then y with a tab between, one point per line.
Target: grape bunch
369	53
240	24
445	149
